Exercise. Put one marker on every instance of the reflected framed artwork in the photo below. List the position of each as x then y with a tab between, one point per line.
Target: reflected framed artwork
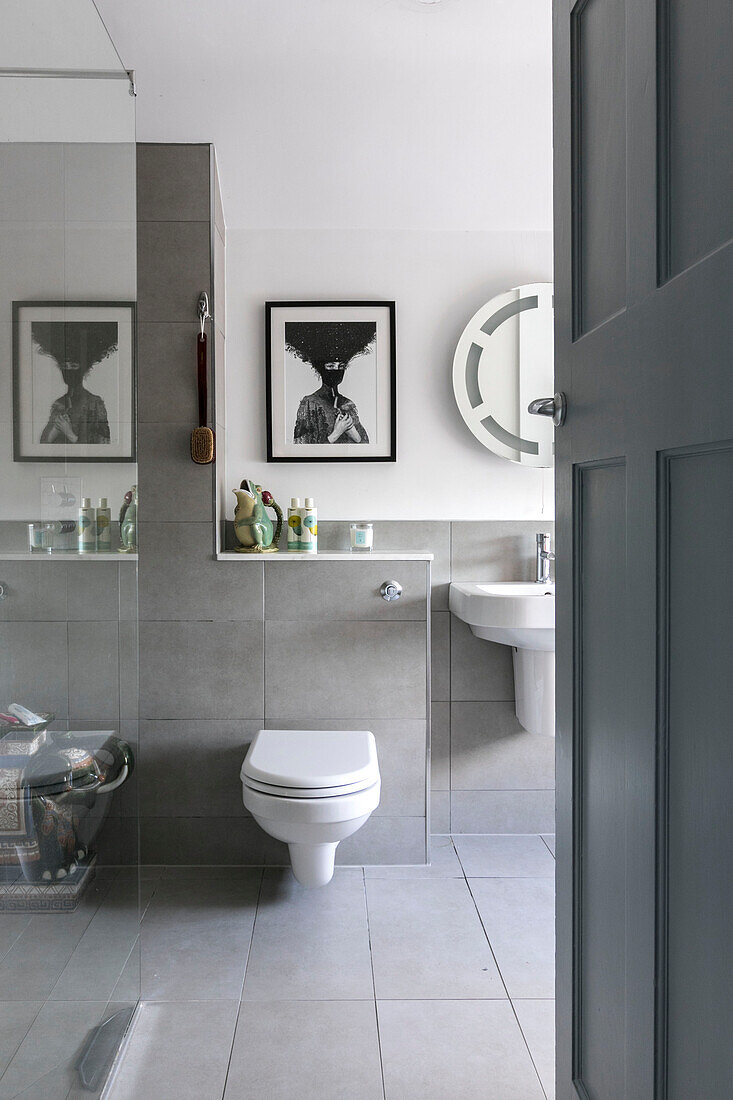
331	381
74	382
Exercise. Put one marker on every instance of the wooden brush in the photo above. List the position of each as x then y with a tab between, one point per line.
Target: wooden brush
203	443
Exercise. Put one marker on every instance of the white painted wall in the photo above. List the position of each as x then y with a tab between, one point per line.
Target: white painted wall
366	149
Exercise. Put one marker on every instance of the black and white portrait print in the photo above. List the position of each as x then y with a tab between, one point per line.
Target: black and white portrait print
76	347
74	381
330	348
330	381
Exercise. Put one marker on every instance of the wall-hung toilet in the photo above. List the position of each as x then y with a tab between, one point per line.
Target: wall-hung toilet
312	789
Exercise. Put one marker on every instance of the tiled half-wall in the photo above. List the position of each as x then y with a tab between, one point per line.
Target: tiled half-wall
488	775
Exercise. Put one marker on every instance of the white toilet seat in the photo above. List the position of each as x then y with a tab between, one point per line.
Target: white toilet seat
306	792
311	760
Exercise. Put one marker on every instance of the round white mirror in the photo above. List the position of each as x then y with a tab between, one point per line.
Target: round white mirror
504	360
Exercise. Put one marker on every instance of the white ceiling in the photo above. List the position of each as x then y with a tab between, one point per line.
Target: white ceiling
353	113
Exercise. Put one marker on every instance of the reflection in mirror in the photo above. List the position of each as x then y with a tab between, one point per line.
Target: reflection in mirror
503	361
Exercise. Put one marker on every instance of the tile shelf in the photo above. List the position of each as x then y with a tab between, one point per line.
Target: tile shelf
63	555
330	555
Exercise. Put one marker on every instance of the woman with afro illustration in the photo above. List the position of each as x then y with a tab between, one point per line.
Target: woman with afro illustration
79	416
326	416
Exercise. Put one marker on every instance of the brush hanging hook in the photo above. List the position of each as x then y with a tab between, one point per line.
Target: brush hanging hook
203	310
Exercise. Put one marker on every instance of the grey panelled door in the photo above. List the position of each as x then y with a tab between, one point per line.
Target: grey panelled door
644	352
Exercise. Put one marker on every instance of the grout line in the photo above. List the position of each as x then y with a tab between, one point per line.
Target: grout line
544	1093
374	984
549	849
501	976
244	978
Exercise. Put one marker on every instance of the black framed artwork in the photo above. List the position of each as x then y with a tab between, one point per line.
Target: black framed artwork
74	382
331	381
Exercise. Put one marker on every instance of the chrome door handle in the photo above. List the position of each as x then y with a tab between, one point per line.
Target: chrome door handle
556	407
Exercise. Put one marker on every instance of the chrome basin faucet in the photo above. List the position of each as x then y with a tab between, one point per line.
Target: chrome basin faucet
544	557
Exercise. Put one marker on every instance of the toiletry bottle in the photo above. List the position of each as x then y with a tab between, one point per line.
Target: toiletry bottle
86	528
309	536
294	524
104	528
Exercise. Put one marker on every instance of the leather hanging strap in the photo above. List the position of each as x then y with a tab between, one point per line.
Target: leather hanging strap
202	380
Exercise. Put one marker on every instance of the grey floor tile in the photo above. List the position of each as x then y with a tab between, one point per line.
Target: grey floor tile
33	965
52	1042
444	863
127	989
504	856
537	1021
549	839
195	935
12	925
427	941
465	1050
16	1019
97	962
312	1050
177	1051
519	918
310	944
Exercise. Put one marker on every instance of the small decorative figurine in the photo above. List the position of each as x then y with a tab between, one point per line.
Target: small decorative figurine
252	525
128	522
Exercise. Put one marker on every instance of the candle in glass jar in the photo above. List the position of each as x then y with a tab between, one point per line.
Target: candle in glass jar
362	536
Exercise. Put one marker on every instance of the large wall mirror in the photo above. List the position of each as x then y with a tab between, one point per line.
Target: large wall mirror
503	361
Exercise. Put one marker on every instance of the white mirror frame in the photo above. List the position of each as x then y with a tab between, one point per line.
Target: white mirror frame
504	360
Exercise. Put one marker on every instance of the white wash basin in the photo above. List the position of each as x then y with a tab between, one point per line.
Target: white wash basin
521	615
515	613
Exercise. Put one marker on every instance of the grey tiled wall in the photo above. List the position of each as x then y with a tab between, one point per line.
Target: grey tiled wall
227	647
488	774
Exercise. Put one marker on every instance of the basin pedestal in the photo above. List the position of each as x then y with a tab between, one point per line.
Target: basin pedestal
534	690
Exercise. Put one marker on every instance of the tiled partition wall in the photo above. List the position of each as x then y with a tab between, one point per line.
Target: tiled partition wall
228	646
488	774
